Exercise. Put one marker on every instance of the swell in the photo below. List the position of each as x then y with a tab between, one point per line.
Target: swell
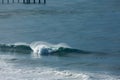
42	48
15	48
28	49
67	51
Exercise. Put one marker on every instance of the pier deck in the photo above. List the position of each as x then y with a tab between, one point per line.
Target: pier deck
23	1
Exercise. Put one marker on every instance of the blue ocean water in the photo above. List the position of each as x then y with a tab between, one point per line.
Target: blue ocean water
62	40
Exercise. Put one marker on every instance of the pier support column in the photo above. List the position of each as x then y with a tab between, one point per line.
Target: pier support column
18	1
7	1
39	1
28	1
13	1
34	1
44	1
23	1
2	1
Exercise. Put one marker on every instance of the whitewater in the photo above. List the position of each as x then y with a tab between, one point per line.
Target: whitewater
45	61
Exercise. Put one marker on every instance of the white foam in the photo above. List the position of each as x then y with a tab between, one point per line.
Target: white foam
38	46
10	72
21	43
40	73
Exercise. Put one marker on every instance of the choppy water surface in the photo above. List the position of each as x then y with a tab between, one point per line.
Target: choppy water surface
62	40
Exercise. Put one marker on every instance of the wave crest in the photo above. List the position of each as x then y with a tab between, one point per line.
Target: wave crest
45	48
40	48
15	48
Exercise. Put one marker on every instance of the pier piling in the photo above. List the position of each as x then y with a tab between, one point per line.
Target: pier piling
7	1
13	1
23	1
34	1
18	1
2	1
39	1
44	1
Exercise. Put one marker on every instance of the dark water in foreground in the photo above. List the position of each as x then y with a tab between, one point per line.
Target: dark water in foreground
63	40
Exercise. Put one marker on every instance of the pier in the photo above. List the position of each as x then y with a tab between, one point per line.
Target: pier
23	1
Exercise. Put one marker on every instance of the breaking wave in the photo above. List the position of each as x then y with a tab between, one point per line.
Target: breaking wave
41	48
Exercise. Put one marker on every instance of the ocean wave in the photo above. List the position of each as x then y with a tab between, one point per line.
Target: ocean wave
40	48
15	48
